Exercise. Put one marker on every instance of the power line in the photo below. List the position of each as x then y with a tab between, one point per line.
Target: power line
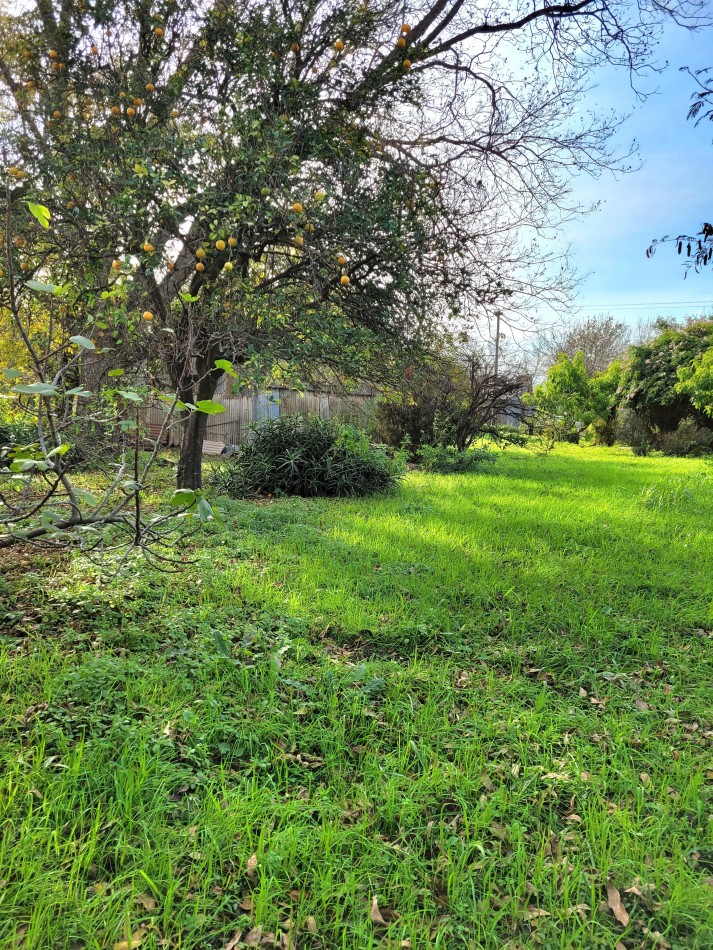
639	306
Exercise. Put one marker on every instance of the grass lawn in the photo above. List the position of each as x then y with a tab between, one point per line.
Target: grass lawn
475	713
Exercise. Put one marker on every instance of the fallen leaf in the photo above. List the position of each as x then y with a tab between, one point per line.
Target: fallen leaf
537	912
252	937
620	946
645	778
146	901
383	917
582	692
616	906
640	704
573	817
585	776
136	938
246	904
251	869
234	940
311	925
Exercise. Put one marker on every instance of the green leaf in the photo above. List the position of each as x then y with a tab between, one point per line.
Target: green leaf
78	391
85	496
188	298
183	498
83	341
40	213
205	512
115	372
12	373
209	407
40	287
59	450
36	389
129	394
227	367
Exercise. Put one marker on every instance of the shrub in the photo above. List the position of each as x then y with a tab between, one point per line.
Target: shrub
308	456
446	459
15	432
688	439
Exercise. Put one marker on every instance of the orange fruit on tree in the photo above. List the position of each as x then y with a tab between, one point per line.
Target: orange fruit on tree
70	205
401	42
52	54
95	49
138	102
149	87
295	48
341	260
232	242
297	208
170	266
131	112
115	110
158	31
406	28
285	117
200	252
116	265
24	266
200	266
147	315
174	113
227	266
19	242
344	280
339	46
148	247
407	64
220	245
57	114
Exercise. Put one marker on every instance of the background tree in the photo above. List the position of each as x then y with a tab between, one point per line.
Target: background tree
696	380
452	399
600	339
280	187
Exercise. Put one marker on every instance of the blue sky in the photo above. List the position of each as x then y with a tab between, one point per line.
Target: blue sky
671	193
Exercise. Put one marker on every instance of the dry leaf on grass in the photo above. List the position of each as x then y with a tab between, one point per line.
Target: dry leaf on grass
616	906
251	869
383	917
136	938
146	901
234	940
311	925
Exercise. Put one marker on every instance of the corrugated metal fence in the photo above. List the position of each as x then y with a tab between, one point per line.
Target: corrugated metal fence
233	426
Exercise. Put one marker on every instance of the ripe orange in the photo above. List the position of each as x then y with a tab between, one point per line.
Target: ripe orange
174	113
344	280
299	241
57	114
341	260
116	265
138	102
148	247
407	64
158	32
297	208
401	42
95	49
405	28
24	266
149	87
53	54
339	46
70	205
200	266
115	110
131	112
232	242
295	48
200	252
220	245
147	315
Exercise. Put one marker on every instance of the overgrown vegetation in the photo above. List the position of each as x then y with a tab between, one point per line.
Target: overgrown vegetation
472	713
308	456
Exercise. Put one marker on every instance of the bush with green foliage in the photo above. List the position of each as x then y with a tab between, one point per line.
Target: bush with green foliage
696	381
447	459
689	439
308	456
16	432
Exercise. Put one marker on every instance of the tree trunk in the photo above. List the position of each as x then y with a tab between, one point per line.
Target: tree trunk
190	459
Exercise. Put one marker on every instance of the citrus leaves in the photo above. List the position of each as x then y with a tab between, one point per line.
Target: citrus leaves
39	213
194	502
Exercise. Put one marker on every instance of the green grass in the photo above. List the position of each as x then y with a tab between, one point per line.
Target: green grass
484	700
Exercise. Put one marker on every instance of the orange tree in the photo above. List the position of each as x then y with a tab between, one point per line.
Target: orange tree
279	187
